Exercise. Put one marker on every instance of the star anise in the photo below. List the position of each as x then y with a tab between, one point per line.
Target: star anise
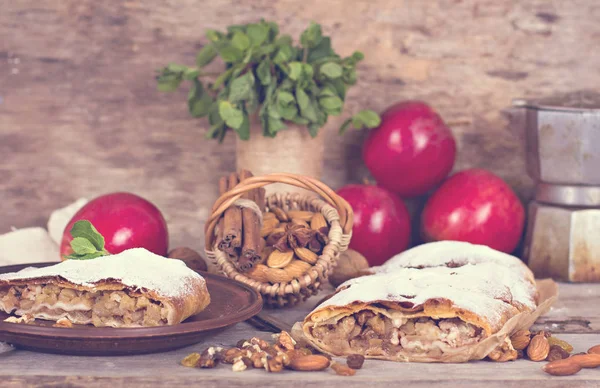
295	236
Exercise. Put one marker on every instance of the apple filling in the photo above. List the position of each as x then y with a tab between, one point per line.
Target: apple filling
101	308
374	334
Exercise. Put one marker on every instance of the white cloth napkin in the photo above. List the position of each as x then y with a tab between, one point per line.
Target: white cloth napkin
36	244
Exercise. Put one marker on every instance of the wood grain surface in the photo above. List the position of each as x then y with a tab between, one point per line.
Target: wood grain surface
80	115
19	368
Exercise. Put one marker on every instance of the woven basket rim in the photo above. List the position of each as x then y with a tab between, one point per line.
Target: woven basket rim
335	209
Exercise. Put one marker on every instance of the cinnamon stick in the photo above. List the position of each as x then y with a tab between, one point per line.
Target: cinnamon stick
251	230
232	224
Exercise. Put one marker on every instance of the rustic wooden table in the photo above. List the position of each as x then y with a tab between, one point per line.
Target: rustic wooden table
575	318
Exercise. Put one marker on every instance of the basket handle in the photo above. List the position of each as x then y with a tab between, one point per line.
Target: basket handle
304	182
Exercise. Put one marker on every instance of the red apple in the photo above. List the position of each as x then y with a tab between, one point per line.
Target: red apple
475	206
125	220
412	150
381	222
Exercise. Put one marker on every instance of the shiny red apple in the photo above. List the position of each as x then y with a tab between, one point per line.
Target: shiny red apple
381	222
475	206
125	220
412	150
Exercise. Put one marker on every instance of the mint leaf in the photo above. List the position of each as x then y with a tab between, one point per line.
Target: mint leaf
85	229
213	35
231	54
175	68
286	105
240	41
345	125
306	107
167	80
232	116
285	97
87	256
206	55
300	120
257	33
313	129
241	88
168	85
244	130
295	70
339	86
82	246
312	36
307	70
275	125
263	72
331	70
332	105
320	51
350	77
87	243
199	102
191	74
283	54
367	118
302	98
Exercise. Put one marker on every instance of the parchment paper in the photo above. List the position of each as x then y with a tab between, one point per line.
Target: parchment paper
548	293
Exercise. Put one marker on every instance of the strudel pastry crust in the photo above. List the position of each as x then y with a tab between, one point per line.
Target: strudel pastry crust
428	303
134	288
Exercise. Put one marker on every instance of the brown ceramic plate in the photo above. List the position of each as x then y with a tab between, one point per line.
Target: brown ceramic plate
231	302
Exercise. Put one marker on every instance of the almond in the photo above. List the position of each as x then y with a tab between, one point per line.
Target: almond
300	215
538	348
268	226
594	349
586	360
342	370
277	275
268	216
279	259
258	273
561	367
280	214
314	362
318	221
520	339
297	268
264	254
307	255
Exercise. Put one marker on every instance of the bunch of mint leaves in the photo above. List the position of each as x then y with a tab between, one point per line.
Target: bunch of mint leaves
87	242
266	74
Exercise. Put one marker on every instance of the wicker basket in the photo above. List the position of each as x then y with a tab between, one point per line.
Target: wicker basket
336	211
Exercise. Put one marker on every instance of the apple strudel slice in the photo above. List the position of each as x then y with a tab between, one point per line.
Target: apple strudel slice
134	288
421	313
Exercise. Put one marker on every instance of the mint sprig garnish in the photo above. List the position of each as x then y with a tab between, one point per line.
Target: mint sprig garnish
87	242
268	77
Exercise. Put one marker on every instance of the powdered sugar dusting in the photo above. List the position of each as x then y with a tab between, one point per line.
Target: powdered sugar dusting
415	286
478	279
137	268
441	253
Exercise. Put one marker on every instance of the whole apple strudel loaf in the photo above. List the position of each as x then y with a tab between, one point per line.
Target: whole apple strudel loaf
432	300
134	288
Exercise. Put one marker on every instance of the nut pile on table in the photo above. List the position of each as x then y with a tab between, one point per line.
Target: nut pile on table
284	353
542	346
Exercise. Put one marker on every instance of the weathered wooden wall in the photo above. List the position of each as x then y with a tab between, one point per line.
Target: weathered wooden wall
79	114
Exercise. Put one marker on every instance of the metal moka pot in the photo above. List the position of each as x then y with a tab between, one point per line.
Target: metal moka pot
563	158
